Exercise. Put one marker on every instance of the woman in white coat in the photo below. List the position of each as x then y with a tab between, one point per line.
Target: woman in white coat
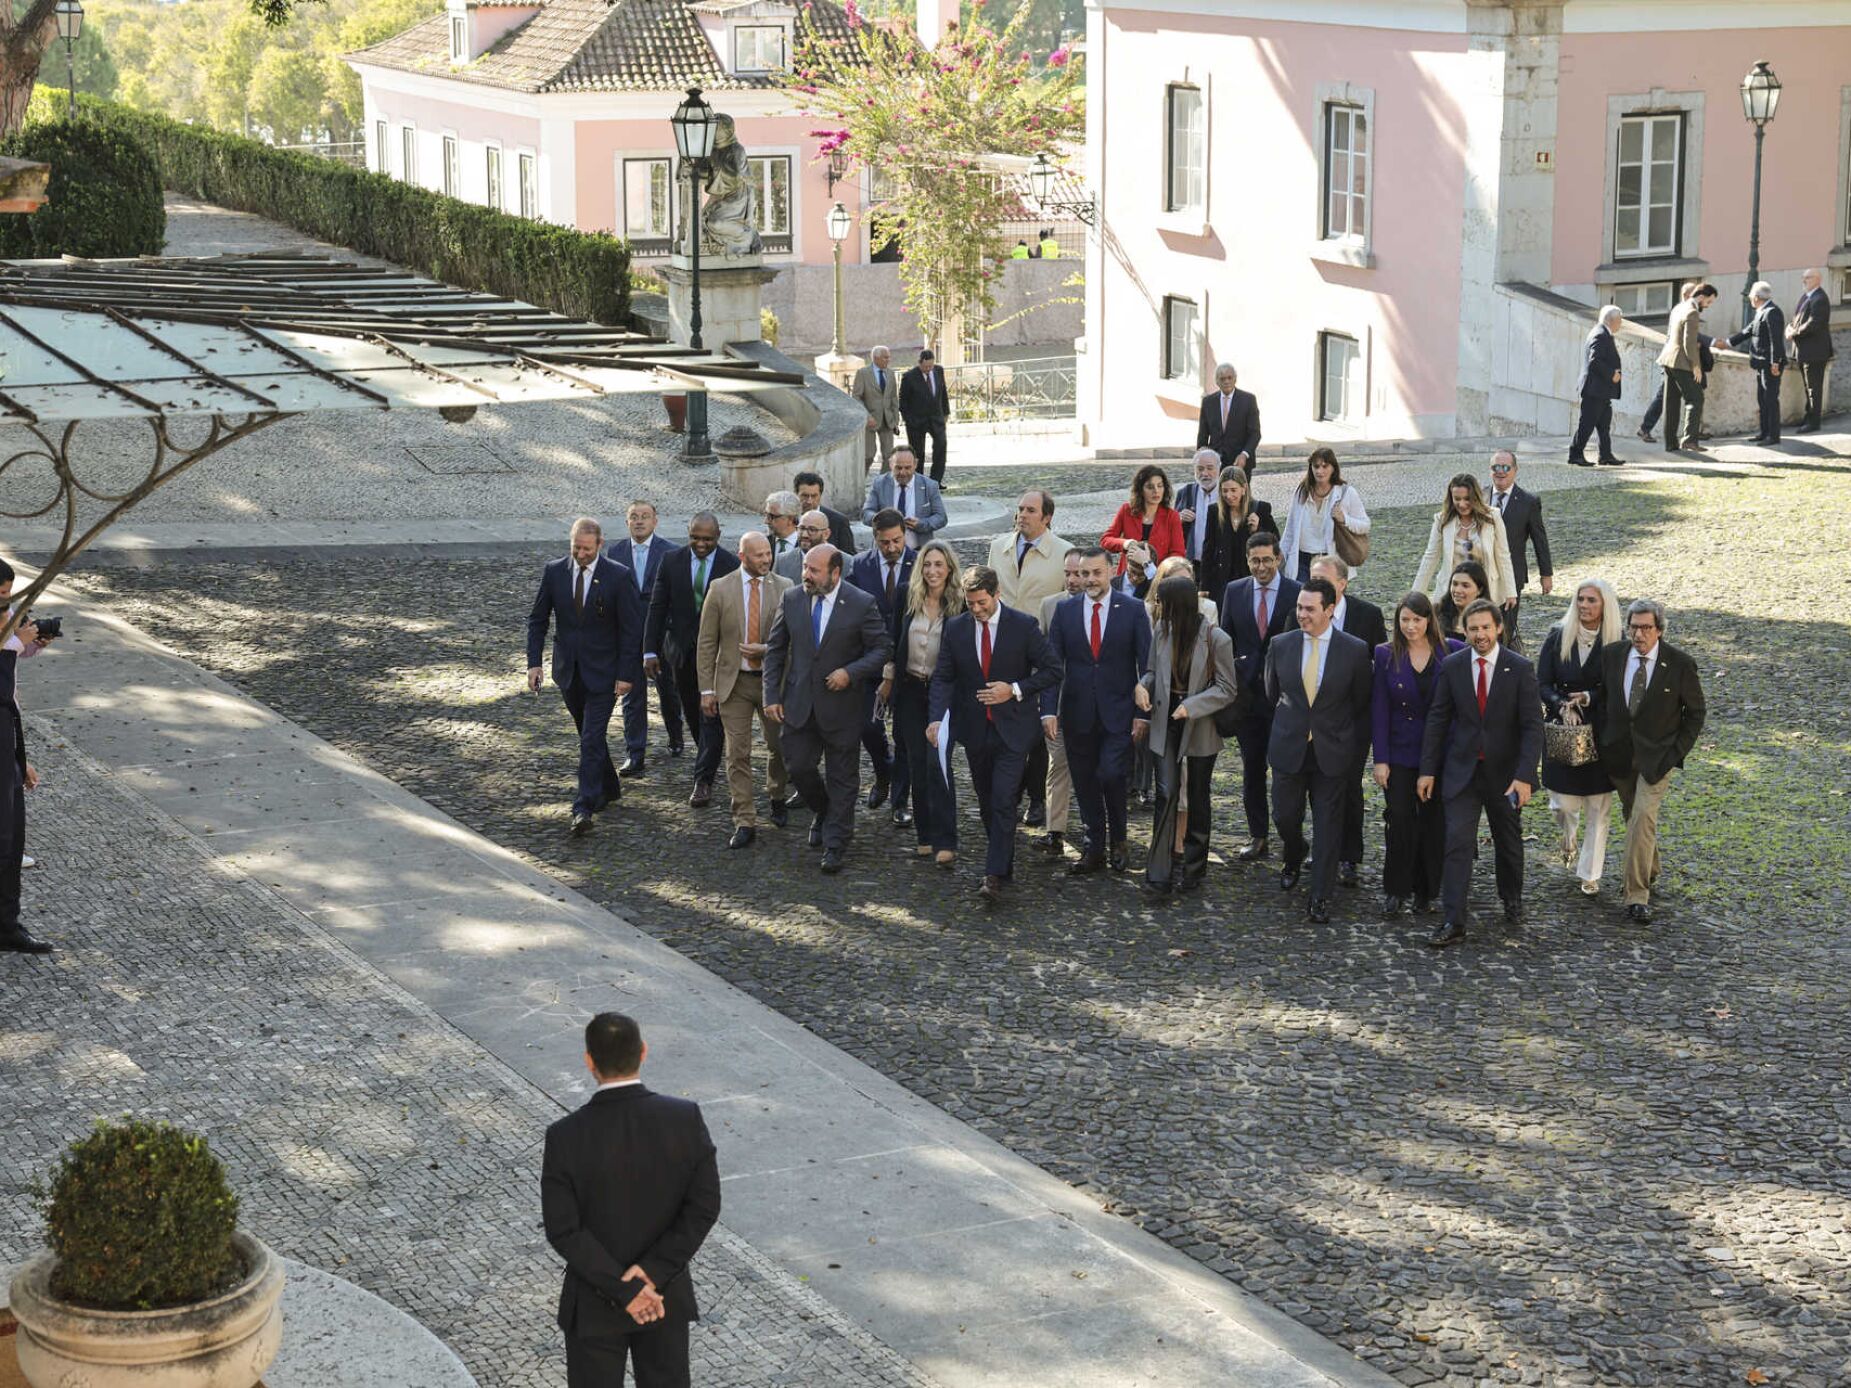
1467	529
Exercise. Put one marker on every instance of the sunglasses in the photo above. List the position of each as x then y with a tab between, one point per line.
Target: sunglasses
1502	468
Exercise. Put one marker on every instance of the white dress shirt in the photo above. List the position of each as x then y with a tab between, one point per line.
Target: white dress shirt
1491	671
906	502
1104	606
639	558
616	1084
829	606
1633	662
1320	647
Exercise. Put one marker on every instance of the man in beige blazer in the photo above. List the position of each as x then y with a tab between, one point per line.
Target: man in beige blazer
729	660
878	390
1682	360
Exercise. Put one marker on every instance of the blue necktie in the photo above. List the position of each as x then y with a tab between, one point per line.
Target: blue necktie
816	623
880	379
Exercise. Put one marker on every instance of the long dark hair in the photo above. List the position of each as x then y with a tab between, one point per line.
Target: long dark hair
1421	606
1233	527
1179	613
1144	474
1308	483
1448	610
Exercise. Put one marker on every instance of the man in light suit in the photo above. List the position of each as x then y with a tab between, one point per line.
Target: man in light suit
1060	780
878	390
1682	360
1523	526
925	405
782	512
1101	641
809	489
1195	500
1480	751
1765	337
916	499
673	632
629	1190
730	661
1598	388
1317	681
1230	422
1254	612
591	602
827	644
993	666
883	573
1362	619
1030	564
1810	332
641	553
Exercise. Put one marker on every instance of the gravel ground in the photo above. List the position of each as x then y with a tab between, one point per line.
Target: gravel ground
1582	1152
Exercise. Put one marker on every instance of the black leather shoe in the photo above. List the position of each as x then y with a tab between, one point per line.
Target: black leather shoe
1346	874
1156	891
20	941
1189	884
1807	429
780	813
816	832
675	749
1318	911
1422	906
1447	933
1088	862
1037	814
633	767
581	825
1639	912
1254	851
902	816
1118	858
742	837
703	795
1054	845
991	890
1513	909
1288	876
1647	436
832	861
1580	462
1613	462
878	796
1393	906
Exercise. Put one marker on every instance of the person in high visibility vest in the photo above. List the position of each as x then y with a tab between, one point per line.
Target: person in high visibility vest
1050	248
1020	252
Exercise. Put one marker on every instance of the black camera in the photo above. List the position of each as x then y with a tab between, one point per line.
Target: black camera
50	627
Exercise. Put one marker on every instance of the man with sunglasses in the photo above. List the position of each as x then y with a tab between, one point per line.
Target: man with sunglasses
1523	527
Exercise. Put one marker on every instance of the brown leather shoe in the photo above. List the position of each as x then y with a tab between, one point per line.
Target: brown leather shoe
991	890
703	795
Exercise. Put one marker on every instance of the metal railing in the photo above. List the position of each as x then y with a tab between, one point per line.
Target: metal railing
1037	388
653	247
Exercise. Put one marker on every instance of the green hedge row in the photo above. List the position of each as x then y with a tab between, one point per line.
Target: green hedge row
580	274
103	198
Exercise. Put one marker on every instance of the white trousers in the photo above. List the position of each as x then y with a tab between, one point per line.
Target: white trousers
1568	810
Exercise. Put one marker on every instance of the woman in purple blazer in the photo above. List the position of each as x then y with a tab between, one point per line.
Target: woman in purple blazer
1407	670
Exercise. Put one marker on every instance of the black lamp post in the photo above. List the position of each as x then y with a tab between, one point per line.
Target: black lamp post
1760	99
70	24
1041	175
694	131
835	170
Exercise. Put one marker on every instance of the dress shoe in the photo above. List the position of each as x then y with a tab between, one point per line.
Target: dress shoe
1087	862
1190	882
19	941
1255	850
703	795
1054	845
1807	429
901	816
878	796
1392	907
832	861
1288	876
742	837
1695	448
675	748
816	832
1613	462
1639	912
632	767
780	813
1317	911
1647	436
991	890
1146	799
1346	874
581	824
1037	814
1513	909
1156	890
1581	462
1118	858
1447	933
1422	906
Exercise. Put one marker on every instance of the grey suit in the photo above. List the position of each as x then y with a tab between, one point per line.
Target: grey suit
789	565
1314	747
878	391
823	724
923	500
1184	753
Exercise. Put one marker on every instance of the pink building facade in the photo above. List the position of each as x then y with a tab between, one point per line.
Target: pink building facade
1388	214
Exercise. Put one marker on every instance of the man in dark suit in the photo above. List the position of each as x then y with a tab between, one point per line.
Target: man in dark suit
1253	611
925	405
1654	711
591	602
642	553
1523	527
883	573
673	635
1765	336
1480	750
1362	619
1317	681
1101	640
1230	421
17	776
993	667
1195	500
1598	388
1811	335
809	489
828	643
629	1189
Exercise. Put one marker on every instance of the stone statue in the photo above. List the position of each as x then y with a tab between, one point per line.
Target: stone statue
728	226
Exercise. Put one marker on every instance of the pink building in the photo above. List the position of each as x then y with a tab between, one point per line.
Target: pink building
560	111
1389	214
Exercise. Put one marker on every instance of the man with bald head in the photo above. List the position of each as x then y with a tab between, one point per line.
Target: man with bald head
812	530
735	633
1810	332
828	643
673	631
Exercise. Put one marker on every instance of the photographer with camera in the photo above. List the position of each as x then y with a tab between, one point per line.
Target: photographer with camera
17	775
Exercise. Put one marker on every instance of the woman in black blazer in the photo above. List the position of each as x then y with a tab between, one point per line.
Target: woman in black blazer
933	597
1569	681
1234	517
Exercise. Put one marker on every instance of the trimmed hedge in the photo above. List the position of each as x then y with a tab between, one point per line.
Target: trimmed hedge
576	273
103	198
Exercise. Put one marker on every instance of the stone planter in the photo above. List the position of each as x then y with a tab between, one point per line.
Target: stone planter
226	1342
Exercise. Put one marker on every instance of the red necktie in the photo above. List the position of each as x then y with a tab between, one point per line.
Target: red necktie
1482	691
1095	633
983	650
1263	614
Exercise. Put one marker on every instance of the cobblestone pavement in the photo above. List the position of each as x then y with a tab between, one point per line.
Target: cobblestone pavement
1581	1152
363	1134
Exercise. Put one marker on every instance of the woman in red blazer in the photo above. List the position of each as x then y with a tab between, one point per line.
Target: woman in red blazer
1149	519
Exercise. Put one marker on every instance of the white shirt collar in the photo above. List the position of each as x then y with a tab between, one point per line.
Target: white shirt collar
617	1084
1336	614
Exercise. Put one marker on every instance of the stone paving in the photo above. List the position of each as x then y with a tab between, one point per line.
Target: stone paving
363	1134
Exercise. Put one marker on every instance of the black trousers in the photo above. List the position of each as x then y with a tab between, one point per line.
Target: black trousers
636	713
832	791
1596	418
1812	373
659	1356
996	771
1290	791
1683	408
711	740
1181	781
591	711
1036	780
1416	838
889	762
1253	737
12	840
1100	764
1350	849
917	437
935	809
1654	410
1767	399
1462	812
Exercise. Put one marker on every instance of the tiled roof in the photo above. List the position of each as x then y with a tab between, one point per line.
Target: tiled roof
587	45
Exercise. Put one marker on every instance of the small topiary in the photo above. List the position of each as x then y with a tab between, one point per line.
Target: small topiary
141	1217
104	197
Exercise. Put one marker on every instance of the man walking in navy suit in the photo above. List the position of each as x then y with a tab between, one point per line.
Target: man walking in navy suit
1599	387
642	554
1101	640
993	666
883	573
1253	611
672	635
592	603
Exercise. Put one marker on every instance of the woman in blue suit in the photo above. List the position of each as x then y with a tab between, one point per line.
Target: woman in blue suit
1407	671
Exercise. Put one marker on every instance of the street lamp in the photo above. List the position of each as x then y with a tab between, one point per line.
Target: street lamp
70	25
836	169
839	224
1041	176
1760	99
694	130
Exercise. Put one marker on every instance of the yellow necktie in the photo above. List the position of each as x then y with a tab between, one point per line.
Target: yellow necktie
1311	675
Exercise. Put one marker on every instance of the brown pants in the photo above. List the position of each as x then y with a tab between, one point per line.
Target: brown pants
1060	788
736	713
1639	802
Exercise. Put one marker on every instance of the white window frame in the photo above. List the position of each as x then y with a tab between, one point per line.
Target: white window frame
459	37
408	152
527	184
790	193
494	178
1688	262
1650	125
382	143
1184	207
624	161
1618	294
452	156
1351	246
1167	363
783	32
1354	383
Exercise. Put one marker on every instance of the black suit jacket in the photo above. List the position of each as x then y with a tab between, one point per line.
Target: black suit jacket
1224	556
1240	620
1766	337
1509	734
604	644
1523	526
855	640
1242	433
1667	724
1363	620
841	532
1337	727
923	402
868	572
1599	360
674	626
1812	327
630	1178
1020	656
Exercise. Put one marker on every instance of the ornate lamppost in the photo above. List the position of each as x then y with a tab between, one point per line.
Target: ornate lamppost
1041	176
1760	99
694	131
839	225
70	24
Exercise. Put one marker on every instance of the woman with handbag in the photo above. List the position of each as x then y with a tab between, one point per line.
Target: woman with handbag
1568	678
1188	689
1407	672
1235	517
1326	517
934	595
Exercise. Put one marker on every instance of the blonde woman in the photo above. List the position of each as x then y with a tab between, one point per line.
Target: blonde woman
934	595
1569	681
1468	530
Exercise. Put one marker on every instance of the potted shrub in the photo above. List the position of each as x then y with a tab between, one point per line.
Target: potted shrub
146	1278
